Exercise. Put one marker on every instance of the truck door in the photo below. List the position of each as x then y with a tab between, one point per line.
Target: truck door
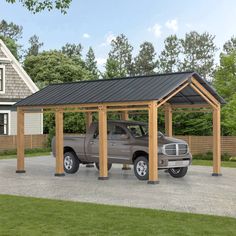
93	144
119	149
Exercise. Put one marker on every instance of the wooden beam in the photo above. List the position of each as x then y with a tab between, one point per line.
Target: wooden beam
205	91
20	142
59	143
192	111
153	144
102	115
203	96
88	120
168	120
216	142
125	116
172	94
115	104
174	106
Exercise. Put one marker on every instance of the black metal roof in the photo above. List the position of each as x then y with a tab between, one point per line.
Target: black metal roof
138	88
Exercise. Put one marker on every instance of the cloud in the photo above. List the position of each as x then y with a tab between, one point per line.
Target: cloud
156	30
86	35
101	61
108	38
172	25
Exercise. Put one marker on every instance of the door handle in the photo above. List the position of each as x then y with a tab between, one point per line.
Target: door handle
91	142
113	144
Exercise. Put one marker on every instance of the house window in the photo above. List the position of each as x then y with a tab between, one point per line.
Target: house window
4	120
2	79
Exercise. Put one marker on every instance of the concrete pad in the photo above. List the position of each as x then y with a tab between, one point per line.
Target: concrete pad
197	192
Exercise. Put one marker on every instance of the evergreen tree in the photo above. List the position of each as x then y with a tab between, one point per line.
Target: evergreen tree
91	64
111	69
198	51
35	45
145	62
120	56
169	60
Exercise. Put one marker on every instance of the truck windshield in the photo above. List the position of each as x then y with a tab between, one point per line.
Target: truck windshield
140	131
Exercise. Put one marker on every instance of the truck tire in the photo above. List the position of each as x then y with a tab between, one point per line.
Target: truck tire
71	163
109	165
178	172
141	168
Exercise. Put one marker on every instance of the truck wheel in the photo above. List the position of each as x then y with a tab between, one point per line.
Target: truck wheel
71	163
178	172
141	169
109	165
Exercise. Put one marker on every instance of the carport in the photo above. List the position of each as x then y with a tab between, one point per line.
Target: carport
174	92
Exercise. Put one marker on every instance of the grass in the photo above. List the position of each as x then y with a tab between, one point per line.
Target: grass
10	154
33	216
205	159
231	164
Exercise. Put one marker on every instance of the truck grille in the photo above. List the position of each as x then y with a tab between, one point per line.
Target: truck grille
175	149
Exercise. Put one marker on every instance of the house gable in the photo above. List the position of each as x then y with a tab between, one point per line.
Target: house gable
18	84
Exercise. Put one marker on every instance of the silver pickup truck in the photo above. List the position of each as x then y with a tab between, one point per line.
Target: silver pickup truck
127	144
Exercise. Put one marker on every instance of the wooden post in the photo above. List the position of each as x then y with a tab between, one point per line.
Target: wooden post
168	120
59	143
20	142
103	173
216	142
88	119
153	143
88	122
125	116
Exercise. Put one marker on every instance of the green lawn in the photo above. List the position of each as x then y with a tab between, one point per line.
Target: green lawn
231	164
33	216
11	154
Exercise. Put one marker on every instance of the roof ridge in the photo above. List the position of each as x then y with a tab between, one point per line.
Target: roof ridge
128	77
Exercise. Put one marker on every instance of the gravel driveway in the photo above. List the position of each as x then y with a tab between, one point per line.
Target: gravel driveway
197	192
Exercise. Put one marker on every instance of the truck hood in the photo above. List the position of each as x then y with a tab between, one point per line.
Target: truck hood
143	141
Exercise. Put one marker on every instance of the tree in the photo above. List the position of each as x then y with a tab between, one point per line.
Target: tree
198	51
10	30
11	45
111	69
230	45
145	62
169	57
35	45
225	76
72	50
120	55
91	64
54	67
225	84
36	6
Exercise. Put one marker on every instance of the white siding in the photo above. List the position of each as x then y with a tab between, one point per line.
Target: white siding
33	123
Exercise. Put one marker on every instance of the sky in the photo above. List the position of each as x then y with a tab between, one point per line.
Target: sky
96	23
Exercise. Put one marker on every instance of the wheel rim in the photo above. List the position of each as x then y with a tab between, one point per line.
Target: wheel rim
175	170
68	162
141	168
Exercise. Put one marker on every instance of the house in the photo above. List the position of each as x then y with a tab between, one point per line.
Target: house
15	84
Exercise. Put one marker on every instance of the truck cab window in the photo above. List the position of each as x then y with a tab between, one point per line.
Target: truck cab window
118	133
96	133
